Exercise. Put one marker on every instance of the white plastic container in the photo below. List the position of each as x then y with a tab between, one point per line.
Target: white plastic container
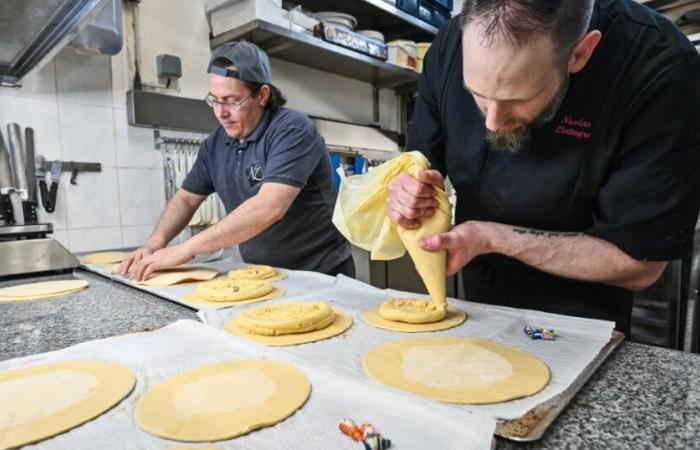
402	53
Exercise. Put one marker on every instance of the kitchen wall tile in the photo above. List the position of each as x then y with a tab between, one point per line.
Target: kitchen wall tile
141	195
135	146
94	239
135	236
42	115
40	84
87	133
94	201
119	74
85	79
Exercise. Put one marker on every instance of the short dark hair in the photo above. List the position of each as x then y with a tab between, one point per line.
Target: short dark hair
277	99
520	21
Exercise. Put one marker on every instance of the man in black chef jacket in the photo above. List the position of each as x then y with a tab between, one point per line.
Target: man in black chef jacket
570	130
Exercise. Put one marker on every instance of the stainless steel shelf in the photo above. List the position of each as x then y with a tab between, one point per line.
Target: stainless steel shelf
377	15
310	51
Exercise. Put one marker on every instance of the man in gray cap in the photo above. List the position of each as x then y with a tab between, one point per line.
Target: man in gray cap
272	171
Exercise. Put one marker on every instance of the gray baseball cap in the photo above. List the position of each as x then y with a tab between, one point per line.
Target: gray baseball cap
252	64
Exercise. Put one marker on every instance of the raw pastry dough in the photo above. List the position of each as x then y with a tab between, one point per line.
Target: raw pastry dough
195	300
457	369
178	275
412	310
222	400
454	317
48	399
257	272
341	322
225	290
40	290
103	258
286	318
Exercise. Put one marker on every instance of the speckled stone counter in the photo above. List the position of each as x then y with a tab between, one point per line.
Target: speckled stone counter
106	308
641	397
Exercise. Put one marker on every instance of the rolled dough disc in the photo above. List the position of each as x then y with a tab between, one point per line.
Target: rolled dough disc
257	272
40	290
42	401
341	322
454	317
198	301
456	369
103	258
222	400
170	277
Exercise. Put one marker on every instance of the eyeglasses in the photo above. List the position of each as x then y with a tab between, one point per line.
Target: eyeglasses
231	106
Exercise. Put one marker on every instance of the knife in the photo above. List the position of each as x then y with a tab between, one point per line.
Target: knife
6	185
29	206
17	155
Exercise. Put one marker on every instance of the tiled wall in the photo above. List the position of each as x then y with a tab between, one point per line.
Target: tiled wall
76	105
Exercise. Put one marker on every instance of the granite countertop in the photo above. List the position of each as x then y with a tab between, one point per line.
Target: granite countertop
641	397
107	308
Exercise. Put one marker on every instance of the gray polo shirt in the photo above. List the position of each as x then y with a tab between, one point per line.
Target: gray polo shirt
285	148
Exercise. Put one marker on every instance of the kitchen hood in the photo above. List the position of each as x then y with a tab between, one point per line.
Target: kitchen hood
33	31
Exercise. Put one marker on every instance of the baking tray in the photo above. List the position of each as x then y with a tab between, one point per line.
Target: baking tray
532	425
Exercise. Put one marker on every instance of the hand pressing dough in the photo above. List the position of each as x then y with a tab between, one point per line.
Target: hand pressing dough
257	272
40	290
412	310
170	277
457	369
284	318
222	400
453	318
103	258
42	401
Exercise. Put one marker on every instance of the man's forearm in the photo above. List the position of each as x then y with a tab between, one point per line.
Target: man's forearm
177	214
251	218
570	255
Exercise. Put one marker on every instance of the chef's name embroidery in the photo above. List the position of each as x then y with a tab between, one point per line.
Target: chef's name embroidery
577	128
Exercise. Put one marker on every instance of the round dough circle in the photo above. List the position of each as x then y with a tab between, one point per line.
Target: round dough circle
412	310
194	299
341	322
454	317
452	369
222	400
286	318
257	272
169	277
42	289
103	258
225	290
42	401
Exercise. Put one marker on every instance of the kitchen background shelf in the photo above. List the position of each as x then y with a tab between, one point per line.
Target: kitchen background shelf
296	47
376	15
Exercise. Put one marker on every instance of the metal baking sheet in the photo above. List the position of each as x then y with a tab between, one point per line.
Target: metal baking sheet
532	425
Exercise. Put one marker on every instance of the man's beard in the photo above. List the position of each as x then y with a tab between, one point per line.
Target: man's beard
512	141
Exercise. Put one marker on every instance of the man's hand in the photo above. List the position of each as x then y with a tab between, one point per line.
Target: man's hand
161	259
463	243
133	258
410	199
